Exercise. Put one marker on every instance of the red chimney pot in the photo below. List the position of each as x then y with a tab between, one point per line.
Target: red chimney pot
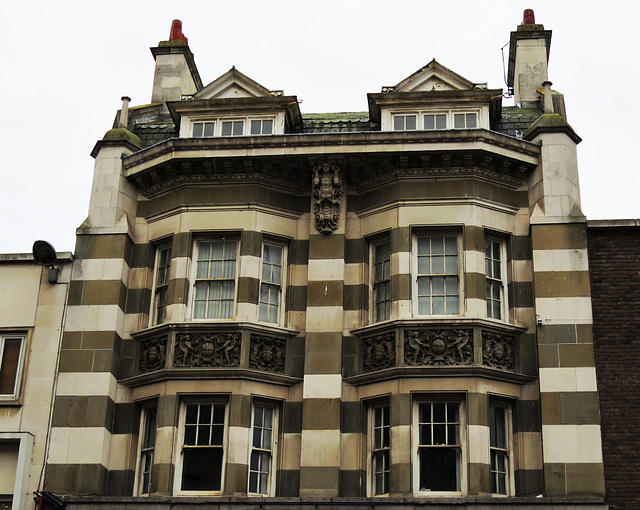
176	32
529	18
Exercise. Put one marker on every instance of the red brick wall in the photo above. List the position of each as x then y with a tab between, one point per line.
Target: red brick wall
614	263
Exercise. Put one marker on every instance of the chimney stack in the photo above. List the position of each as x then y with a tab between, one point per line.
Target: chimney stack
528	60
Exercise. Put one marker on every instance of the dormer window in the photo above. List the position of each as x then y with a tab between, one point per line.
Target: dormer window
243	126
434	121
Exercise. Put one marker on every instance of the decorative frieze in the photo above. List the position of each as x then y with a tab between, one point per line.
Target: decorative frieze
379	352
153	354
498	350
267	354
327	192
438	347
207	350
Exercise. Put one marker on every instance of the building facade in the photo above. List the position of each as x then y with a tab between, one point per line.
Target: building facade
385	307
31	317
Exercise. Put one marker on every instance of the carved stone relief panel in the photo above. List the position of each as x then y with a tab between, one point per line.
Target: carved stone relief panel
327	192
267	354
153	354
438	347
498	350
379	352
207	350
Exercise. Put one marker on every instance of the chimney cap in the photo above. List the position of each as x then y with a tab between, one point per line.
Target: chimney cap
176	32
528	17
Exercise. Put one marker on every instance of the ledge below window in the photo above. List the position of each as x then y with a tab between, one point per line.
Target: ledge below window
457	347
225	350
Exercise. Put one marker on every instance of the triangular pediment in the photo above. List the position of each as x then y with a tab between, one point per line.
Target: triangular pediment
234	84
434	77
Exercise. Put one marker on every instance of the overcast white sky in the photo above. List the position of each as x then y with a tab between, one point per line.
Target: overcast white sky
68	63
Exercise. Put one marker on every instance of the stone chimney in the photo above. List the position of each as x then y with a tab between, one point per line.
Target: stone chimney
528	59
176	73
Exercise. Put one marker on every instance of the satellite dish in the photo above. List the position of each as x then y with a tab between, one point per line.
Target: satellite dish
44	253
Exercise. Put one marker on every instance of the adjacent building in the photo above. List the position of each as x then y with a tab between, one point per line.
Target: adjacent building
32	305
392	307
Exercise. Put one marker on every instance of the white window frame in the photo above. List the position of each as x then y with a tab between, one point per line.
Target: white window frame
500	281
280	286
17	383
218	126
148	417
378	449
180	446
461	446
506	452
450	117
455	114
194	277
380	280
270	450
160	288
416	275
20	496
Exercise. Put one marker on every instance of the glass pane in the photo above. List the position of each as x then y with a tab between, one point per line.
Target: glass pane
205	414
452	304
218	413
201	469
192	413
496	269
451	245
267	127
437	285
9	369
439	434
238	127
452	412
458	120
425	434
424	245
451	283
203	435
424	306
255	127
441	121
398	123
471	120
439	412
424	286
439	469
423	265
437	245
451	264
190	434
437	265
429	122
197	130
502	483
226	128
217	433
208	129
438	305
411	122
253	480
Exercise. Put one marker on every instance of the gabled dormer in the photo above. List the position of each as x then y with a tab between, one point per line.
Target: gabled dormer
235	105
435	98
